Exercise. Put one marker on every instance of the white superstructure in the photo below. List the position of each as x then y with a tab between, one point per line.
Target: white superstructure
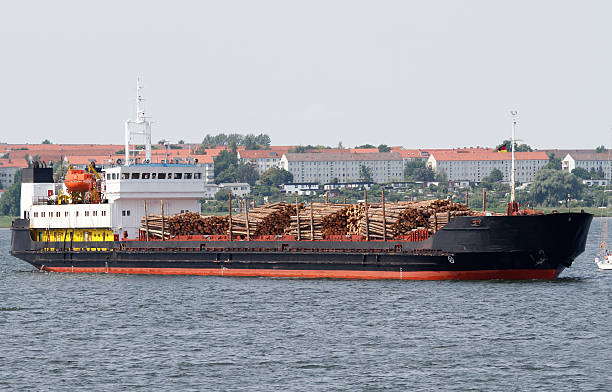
126	191
120	197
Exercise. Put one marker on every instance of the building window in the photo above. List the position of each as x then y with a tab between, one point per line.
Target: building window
57	214
42	214
77	213
95	213
108	176
103	213
86	213
128	212
122	212
66	213
36	215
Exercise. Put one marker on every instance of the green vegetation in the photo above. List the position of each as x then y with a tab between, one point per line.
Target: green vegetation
417	170
601	149
517	147
222	194
495	176
46	141
302	149
365	173
59	170
250	141
554	162
550	186
381	147
11	198
275	176
228	169
5	221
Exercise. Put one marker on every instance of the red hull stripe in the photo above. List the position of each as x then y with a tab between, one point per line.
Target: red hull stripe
339	274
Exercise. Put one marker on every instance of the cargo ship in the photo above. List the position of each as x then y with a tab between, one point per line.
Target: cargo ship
108	221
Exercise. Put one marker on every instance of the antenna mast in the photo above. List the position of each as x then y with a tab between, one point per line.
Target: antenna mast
140	127
513	170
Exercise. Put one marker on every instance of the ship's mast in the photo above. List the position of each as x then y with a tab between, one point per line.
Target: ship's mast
513	169
140	127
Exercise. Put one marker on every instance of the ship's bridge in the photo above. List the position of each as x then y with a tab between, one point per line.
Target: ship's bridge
134	189
155	181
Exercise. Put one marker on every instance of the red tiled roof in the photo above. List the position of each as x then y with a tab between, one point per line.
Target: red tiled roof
13	162
345	156
84	160
363	150
254	154
588	155
203	158
413	153
488	155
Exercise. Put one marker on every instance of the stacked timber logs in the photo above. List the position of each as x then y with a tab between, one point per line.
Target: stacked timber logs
269	219
316	221
319	219
402	218
189	223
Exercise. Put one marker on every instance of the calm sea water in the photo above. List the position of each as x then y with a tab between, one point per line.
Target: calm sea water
188	333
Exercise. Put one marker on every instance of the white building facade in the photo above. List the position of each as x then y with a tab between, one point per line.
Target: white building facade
325	168
261	159
237	188
474	166
590	161
7	175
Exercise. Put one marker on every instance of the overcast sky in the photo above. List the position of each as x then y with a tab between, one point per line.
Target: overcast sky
411	73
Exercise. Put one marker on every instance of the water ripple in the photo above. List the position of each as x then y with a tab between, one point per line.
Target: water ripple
126	333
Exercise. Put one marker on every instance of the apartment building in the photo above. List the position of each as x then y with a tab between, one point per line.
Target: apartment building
474	165
261	159
324	167
588	160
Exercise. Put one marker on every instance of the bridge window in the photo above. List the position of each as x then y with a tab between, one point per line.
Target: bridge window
187	176
177	176
125	176
161	176
135	176
146	176
197	176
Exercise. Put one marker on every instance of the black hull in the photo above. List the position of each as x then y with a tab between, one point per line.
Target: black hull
514	247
